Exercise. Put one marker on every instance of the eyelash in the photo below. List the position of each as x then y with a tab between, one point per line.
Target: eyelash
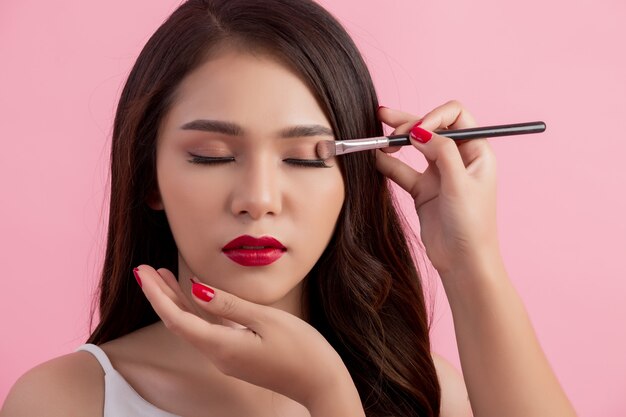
308	163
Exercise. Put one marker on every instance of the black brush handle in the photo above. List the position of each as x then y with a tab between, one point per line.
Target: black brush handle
478	132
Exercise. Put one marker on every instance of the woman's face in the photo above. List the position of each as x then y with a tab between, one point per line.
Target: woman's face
262	122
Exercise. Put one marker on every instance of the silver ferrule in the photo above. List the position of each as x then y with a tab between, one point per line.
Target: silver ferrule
354	145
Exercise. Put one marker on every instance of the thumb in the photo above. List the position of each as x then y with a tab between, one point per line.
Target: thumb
227	306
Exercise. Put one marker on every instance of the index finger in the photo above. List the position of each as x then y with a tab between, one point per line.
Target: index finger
204	335
396	118
454	115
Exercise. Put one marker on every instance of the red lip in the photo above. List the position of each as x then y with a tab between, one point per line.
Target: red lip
265	251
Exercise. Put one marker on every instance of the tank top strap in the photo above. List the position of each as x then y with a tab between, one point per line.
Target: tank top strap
99	354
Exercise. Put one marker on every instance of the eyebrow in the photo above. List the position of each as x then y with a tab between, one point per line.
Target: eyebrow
233	129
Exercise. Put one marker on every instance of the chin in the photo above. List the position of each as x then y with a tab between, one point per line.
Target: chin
283	297
276	286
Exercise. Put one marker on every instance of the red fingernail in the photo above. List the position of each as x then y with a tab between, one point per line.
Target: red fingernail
202	292
381	107
420	134
136	272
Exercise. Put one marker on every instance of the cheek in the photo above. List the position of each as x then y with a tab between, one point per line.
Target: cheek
319	200
191	199
319	204
334	191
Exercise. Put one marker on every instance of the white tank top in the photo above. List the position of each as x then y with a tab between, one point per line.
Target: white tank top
120	398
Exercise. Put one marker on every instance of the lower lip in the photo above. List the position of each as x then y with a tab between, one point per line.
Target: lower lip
254	257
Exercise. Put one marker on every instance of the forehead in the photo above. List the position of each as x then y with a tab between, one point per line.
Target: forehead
251	88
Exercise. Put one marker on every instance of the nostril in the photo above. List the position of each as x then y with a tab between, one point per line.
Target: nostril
256	198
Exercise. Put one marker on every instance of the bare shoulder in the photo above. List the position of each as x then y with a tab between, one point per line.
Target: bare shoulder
454	398
69	385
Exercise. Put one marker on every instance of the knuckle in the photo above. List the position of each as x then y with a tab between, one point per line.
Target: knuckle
228	306
455	103
491	159
172	325
489	154
394	172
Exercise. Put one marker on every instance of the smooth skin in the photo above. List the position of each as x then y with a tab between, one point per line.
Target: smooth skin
257	190
201	358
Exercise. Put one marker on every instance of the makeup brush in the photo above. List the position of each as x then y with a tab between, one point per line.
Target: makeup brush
329	148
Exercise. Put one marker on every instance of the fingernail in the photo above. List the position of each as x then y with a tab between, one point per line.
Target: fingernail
381	107
136	272
420	134
202	292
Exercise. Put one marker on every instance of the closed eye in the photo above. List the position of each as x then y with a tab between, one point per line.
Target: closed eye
314	163
211	160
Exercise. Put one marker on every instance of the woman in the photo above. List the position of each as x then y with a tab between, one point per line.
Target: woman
285	284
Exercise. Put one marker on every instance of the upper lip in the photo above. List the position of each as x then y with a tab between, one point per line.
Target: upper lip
247	240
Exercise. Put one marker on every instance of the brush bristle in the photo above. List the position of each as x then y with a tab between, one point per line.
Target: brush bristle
325	149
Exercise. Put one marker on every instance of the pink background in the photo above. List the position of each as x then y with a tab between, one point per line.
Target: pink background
561	199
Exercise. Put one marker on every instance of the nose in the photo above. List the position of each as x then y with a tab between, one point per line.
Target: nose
257	190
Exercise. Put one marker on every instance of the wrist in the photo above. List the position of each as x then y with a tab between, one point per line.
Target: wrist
481	272
339	398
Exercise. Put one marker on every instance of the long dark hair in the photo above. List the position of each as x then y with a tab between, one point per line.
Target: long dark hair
364	294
